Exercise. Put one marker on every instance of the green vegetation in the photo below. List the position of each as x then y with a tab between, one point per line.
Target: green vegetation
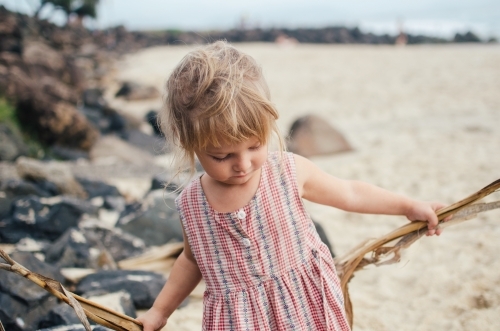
8	117
8	114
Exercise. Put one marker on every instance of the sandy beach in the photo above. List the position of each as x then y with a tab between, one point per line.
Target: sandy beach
424	121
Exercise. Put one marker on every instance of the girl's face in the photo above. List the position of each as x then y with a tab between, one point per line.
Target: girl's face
234	164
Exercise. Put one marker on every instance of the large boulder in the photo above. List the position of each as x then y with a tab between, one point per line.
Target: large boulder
51	171
10	33
323	237
11	144
42	55
105	118
59	315
22	303
312	135
152	118
155	221
72	250
111	147
119	245
58	90
153	144
14	82
43	218
134	91
18	315
97	188
23	289
143	286
13	189
55	122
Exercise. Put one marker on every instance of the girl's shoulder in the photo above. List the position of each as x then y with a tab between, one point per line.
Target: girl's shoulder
279	158
189	192
282	164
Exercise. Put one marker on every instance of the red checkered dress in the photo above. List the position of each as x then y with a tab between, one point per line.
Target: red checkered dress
264	265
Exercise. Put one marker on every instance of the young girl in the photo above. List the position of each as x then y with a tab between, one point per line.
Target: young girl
246	230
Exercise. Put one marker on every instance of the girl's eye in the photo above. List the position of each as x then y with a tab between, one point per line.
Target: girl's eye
255	148
220	159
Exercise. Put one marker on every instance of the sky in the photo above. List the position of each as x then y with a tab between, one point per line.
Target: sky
441	18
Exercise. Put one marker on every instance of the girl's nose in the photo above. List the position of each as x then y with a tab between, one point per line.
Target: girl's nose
242	164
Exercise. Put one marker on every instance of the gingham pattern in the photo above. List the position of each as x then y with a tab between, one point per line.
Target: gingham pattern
268	269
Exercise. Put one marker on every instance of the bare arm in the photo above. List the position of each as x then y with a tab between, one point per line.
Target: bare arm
184	277
317	186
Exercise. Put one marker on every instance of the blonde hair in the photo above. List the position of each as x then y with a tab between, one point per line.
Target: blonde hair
216	95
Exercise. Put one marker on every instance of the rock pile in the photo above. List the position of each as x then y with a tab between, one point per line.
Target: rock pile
53	233
85	241
53	77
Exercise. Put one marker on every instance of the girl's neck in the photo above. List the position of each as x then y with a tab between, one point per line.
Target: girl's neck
227	198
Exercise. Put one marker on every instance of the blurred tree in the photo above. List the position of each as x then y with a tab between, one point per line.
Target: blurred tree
87	8
81	8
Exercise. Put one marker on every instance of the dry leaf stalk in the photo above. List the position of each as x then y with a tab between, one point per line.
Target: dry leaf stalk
84	308
356	258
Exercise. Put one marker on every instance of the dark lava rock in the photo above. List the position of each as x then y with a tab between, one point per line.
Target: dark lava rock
143	286
11	311
156	221
133	91
119	244
22	288
93	98
22	303
11	144
162	181
106	119
96	188
152	119
71	250
17	315
117	203
59	315
153	144
13	189
323	237
66	153
43	218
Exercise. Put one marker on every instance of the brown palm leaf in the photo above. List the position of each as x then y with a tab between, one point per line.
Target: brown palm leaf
356	259
84	308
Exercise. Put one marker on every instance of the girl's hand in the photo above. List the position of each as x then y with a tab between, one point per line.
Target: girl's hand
152	320
426	211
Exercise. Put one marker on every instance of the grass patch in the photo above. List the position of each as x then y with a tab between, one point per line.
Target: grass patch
8	117
8	114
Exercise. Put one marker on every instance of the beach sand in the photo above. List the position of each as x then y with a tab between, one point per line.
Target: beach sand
424	122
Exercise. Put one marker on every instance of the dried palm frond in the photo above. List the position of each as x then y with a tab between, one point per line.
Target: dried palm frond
84	308
356	259
158	259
